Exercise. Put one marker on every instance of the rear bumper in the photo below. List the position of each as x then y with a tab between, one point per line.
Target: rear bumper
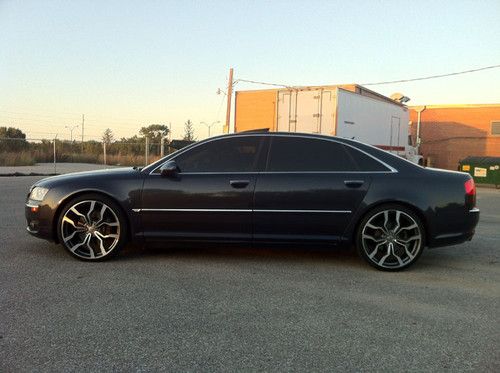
469	224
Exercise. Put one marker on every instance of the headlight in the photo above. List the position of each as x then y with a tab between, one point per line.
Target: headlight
38	193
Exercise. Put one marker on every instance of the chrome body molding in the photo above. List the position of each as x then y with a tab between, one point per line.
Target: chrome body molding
244	210
308	211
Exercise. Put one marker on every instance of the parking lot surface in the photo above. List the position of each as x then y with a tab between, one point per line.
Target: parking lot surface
234	309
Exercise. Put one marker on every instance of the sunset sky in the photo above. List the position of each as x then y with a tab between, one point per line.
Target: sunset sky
127	64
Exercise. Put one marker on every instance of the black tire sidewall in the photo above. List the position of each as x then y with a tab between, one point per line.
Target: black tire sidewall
111	204
369	215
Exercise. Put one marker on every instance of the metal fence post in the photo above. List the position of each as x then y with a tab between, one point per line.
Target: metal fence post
104	149
55	164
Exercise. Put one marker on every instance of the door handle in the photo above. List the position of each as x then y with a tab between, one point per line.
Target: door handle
239	183
353	183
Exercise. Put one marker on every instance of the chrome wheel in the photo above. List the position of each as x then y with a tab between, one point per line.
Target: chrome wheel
90	229
391	239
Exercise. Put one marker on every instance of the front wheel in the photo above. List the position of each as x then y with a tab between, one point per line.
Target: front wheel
92	227
390	238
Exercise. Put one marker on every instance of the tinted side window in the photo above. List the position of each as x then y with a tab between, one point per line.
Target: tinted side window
226	155
365	162
303	154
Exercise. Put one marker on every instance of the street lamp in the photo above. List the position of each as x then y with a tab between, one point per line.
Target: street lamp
71	130
209	126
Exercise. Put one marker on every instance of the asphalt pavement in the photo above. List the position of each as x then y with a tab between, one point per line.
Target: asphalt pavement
237	309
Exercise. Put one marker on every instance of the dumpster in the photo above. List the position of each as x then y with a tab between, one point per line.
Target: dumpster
484	170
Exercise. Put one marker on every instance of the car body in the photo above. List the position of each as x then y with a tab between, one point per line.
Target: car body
261	188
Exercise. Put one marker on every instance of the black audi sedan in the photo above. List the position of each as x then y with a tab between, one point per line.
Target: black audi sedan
261	188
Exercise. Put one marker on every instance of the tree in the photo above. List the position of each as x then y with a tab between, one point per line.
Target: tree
154	132
107	136
12	133
18	144
189	131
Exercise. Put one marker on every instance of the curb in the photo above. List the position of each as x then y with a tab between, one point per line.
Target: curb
27	174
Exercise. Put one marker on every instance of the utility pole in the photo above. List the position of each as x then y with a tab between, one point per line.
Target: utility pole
104	151
229	100
83	128
419	110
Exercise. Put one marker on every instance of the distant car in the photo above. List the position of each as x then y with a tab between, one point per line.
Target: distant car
261	188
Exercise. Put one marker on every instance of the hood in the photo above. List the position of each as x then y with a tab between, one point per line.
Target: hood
97	174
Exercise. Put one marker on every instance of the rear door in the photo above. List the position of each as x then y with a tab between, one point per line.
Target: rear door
309	191
308	111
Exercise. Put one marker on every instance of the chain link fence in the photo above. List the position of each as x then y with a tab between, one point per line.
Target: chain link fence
25	152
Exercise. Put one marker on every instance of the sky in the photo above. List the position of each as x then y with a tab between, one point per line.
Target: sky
127	64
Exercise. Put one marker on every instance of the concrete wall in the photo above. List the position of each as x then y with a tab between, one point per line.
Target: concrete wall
451	133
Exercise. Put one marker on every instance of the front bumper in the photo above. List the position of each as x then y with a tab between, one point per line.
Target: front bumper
38	222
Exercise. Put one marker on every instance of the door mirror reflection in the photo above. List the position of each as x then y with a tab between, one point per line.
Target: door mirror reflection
169	169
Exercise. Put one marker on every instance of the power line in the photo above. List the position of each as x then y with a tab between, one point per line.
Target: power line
435	76
263	83
383	82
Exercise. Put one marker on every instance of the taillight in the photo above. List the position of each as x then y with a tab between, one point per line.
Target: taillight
470	187
470	193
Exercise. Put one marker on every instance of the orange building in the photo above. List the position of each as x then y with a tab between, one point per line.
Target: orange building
450	133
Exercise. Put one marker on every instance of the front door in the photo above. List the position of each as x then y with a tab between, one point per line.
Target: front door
211	197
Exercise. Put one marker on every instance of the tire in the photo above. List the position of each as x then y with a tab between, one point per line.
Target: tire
390	237
92	227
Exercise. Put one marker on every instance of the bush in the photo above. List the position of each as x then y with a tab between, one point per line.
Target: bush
16	159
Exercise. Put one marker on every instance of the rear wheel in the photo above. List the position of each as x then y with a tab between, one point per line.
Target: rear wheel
92	227
390	238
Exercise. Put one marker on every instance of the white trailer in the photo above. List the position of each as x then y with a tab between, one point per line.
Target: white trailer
338	112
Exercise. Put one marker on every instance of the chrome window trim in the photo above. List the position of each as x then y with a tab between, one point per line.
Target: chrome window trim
282	172
244	210
391	169
327	172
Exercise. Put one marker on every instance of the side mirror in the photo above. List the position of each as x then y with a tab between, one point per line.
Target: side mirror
169	169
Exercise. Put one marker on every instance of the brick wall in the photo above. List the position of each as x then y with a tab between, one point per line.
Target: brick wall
451	133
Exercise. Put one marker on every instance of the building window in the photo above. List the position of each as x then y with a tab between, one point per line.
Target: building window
495	127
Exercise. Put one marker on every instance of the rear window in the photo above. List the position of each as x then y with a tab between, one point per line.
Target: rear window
365	162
